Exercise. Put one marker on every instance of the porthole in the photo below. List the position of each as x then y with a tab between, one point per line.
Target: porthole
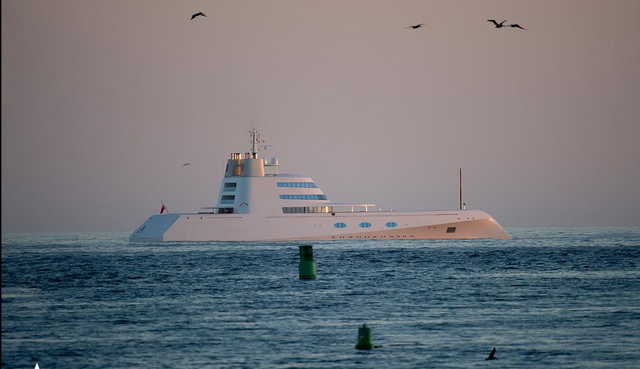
365	225
340	225
391	224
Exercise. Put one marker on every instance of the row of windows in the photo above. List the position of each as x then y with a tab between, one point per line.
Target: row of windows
297	184
366	225
228	199
329	209
229	187
303	197
307	209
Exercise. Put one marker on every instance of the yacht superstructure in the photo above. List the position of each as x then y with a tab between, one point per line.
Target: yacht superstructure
254	205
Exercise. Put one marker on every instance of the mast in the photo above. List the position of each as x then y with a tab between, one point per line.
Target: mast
460	188
257	143
254	133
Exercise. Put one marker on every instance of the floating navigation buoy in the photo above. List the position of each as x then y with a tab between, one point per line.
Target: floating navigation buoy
364	338
307	266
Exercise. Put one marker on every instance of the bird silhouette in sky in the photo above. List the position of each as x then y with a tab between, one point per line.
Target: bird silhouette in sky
416	26
491	355
498	25
198	14
185	164
501	24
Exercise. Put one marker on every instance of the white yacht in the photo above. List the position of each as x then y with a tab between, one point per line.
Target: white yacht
254	205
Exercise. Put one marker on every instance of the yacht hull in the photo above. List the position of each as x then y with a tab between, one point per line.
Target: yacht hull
463	224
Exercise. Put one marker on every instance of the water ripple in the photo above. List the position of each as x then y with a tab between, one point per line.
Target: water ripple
564	297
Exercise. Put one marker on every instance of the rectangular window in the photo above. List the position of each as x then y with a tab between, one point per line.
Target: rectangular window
297	184
451	230
228	199
307	209
303	197
229	187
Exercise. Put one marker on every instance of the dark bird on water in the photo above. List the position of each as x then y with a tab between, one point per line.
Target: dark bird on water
416	26
492	354
185	164
501	24
197	15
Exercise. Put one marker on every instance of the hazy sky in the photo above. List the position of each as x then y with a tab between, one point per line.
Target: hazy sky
103	101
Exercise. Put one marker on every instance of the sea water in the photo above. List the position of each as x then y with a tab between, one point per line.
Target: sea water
562	297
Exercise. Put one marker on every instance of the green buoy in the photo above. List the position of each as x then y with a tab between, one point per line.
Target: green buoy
364	338
307	266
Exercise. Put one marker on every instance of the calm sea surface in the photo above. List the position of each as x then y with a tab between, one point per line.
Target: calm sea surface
564	297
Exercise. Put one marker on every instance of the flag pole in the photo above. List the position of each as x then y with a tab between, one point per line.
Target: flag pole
461	203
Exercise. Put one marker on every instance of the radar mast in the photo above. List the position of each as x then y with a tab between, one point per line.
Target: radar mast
257	143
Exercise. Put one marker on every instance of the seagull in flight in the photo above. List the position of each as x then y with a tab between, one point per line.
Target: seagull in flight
501	24
185	164
416	26
197	15
498	25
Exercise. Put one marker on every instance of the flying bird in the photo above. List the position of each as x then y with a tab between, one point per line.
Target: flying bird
501	24
517	26
416	26
498	25
197	15
491	355
185	164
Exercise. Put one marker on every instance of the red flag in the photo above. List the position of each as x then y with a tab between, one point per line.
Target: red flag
163	208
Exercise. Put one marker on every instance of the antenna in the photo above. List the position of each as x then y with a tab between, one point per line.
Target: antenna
257	143
254	136
461	203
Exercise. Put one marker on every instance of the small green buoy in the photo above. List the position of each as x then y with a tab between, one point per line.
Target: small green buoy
364	338
307	266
